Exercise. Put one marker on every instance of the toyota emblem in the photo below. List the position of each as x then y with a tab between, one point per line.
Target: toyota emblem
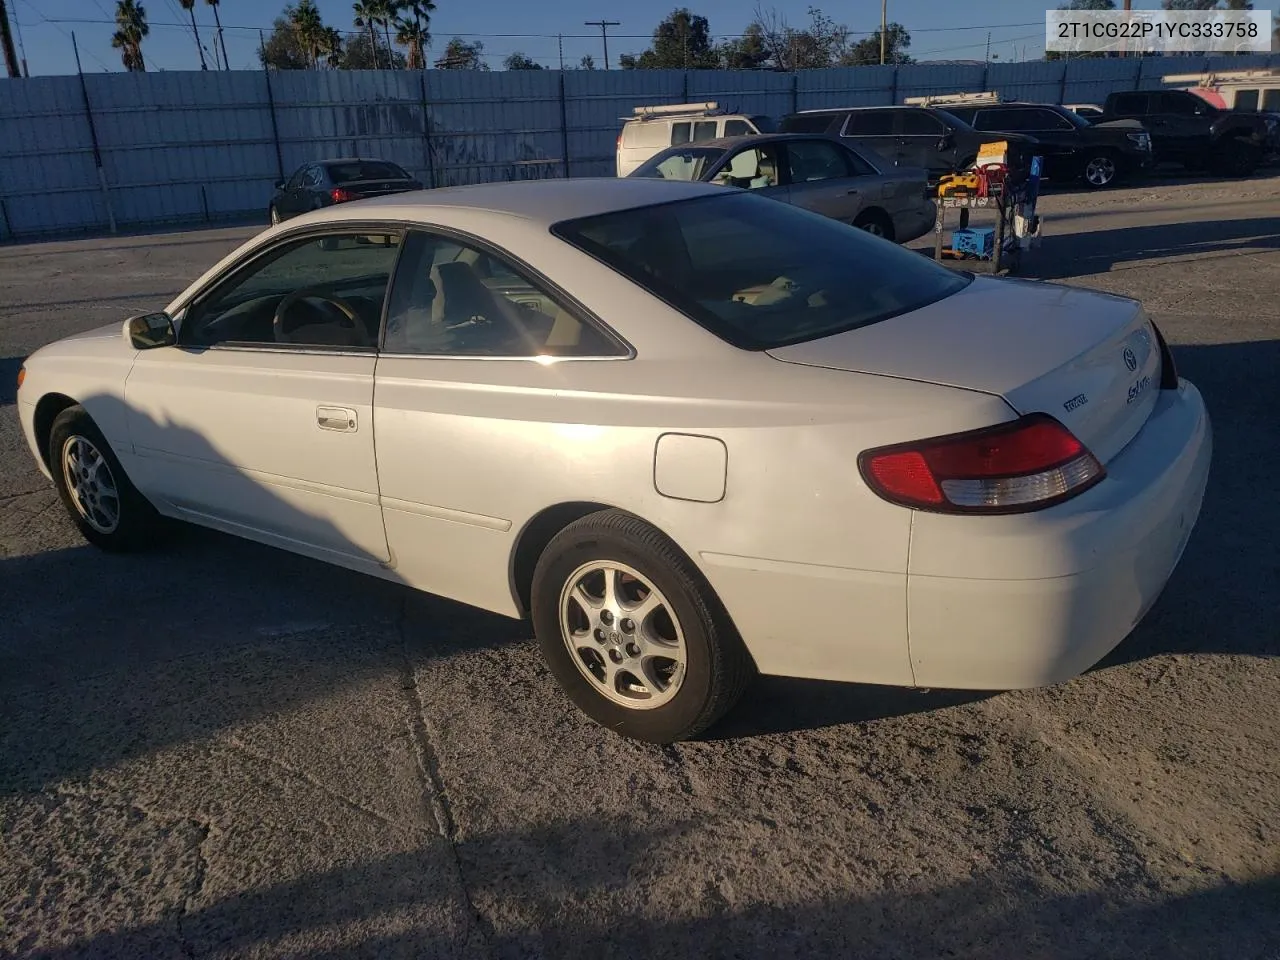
1130	360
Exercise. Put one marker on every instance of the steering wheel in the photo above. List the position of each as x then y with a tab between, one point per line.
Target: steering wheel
314	293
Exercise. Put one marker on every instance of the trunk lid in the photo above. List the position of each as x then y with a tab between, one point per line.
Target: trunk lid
376	188
1088	359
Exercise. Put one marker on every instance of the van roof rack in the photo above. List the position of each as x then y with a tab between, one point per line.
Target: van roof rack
1225	77
676	110
954	99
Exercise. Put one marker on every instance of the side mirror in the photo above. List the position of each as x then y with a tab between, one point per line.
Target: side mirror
279	184
150	330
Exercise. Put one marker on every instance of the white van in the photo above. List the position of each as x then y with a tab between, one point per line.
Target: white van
652	129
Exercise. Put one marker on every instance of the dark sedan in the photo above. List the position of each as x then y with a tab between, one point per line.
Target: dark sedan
323	183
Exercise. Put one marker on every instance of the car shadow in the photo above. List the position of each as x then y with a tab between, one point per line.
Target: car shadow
9	367
598	888
1063	256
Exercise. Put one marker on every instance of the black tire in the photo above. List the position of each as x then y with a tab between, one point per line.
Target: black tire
718	666
1100	170
1235	158
875	222
137	524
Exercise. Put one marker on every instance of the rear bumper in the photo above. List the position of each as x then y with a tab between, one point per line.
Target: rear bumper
999	603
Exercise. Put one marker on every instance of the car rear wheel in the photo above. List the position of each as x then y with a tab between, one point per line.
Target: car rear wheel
1235	158
103	504
1100	170
876	223
633	633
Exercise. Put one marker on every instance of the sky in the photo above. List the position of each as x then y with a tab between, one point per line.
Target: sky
940	29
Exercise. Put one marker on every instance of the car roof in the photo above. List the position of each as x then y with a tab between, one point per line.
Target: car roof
724	143
542	202
329	160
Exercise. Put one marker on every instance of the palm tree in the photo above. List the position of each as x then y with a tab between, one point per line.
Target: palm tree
131	19
309	28
415	36
413	31
331	46
366	15
226	64
190	7
386	11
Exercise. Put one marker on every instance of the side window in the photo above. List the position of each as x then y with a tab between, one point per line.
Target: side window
752	169
1172	103
1246	100
681	133
704	130
1131	104
1048	120
810	160
869	123
299	175
314	176
452	299
737	128
317	291
1271	100
917	123
809	123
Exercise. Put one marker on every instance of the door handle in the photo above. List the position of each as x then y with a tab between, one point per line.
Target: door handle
340	419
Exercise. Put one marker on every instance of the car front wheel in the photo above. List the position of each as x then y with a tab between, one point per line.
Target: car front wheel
633	632
101	501
1100	170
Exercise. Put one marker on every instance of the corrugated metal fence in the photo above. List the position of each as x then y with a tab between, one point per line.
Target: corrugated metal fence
77	153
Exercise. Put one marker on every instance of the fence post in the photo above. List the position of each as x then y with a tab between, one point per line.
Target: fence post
275	129
4	220
93	138
1062	81
564	129
795	92
426	129
684	96
893	89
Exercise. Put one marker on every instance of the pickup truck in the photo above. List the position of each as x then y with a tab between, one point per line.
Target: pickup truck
1188	130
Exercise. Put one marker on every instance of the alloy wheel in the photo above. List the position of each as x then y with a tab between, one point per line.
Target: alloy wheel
1100	171
92	487
623	635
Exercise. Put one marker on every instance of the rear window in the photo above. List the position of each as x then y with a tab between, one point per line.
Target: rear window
759	273
365	170
638	133
687	164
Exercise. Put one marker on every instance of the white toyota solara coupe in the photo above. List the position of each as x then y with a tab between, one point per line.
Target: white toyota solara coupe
691	432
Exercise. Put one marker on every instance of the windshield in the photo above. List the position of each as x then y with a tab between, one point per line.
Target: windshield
356	170
688	164
759	273
764	124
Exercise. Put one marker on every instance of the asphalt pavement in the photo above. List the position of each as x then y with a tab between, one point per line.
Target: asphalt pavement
220	750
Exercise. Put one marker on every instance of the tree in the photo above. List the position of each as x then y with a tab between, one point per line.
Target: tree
384	13
681	42
131	23
1089	5
747	52
330	47
365	14
365	51
226	64
896	42
414	36
460	55
282	49
823	44
588	62
6	41
306	22
518	61
190	7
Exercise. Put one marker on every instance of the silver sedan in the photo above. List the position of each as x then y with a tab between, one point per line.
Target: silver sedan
811	171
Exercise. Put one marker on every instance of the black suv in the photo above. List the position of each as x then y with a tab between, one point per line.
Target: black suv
909	136
1187	129
1072	148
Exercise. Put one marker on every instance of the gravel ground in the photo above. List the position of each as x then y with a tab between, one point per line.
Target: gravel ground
220	750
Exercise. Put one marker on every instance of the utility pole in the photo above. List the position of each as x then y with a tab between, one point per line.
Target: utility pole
6	40
884	16
987	58
604	26
560	44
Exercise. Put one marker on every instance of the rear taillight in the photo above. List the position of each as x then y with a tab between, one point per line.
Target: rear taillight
22	375
1168	369
339	195
1025	465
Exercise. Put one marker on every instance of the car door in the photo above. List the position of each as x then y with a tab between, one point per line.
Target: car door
260	419
1057	140
924	141
465	395
1166	143
872	129
1180	122
822	179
